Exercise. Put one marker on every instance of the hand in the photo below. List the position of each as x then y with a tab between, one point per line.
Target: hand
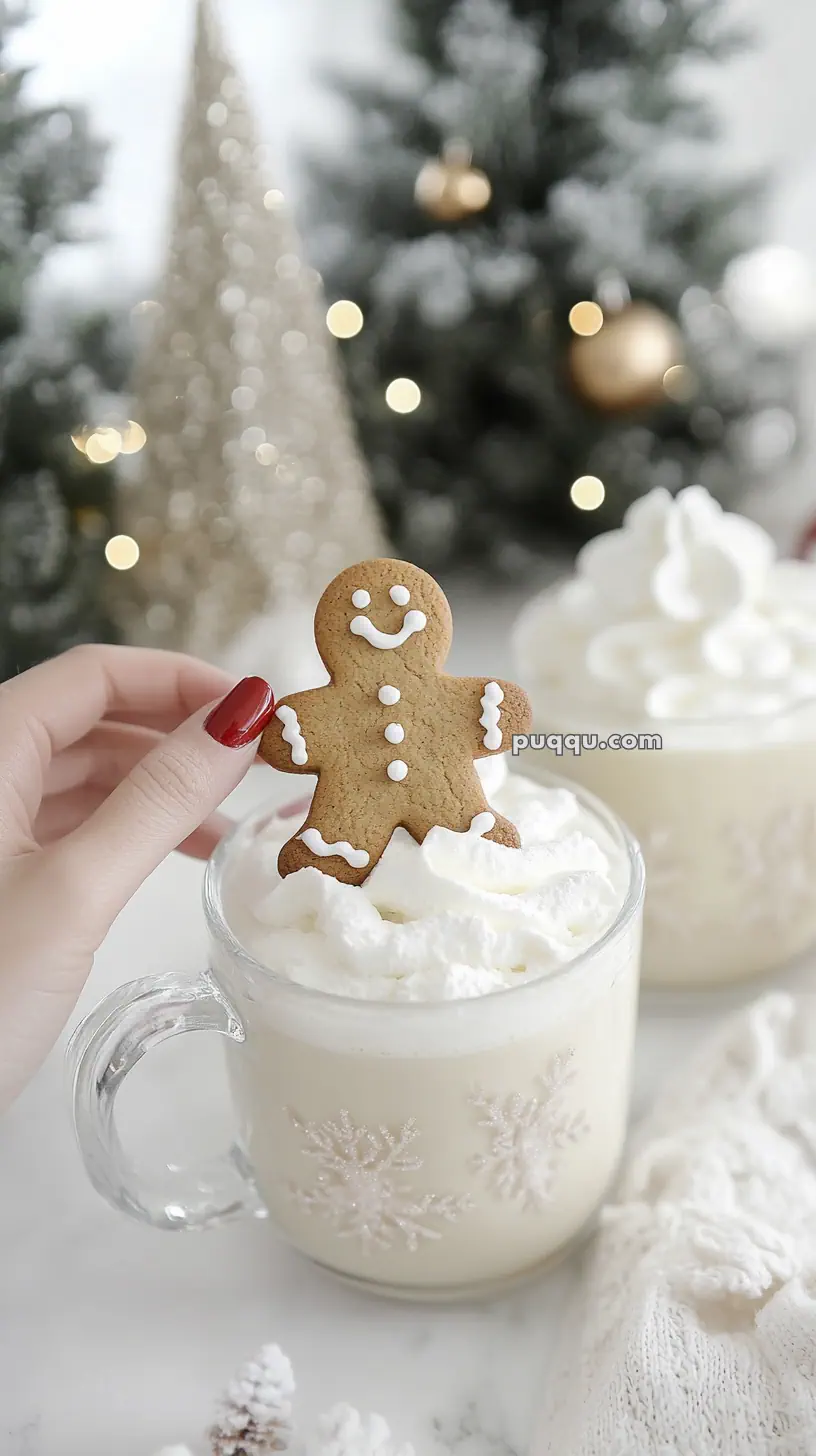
102	773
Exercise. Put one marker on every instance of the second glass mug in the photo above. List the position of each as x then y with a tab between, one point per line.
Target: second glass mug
725	812
430	1150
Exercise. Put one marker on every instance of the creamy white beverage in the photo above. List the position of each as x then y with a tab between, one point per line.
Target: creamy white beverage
434	1081
684	627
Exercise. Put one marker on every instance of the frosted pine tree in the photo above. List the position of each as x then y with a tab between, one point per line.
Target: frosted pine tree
251	493
531	219
344	1432
255	1418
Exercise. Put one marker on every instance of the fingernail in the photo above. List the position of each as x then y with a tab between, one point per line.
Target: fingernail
243	714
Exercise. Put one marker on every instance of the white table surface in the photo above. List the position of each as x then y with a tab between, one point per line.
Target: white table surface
115	1338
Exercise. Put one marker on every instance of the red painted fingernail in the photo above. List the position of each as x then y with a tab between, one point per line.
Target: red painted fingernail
243	714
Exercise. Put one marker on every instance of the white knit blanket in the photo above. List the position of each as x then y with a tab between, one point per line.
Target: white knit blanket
695	1333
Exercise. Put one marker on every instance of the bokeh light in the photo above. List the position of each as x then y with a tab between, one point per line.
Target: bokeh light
474	190
133	438
344	319
587	492
122	552
103	445
586	318
403	396
679	383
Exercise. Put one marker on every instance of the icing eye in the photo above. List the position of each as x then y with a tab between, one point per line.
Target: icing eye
361	599
400	595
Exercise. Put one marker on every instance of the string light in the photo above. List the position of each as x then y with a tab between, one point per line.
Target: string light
80	439
344	319
587	492
586	318
403	396
122	552
103	445
133	438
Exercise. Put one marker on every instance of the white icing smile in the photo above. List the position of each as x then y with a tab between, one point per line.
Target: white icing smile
313	839
489	720
412	622
292	734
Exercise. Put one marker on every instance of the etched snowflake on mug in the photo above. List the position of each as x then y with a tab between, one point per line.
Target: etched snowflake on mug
361	1188
774	865
527	1134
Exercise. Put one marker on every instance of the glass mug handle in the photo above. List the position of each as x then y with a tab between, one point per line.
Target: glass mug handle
103	1049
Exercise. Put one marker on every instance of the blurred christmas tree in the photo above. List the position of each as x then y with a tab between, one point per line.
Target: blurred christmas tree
554	313
54	501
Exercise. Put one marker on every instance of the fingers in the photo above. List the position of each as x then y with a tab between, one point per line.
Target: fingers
102	757
54	705
62	813
164	800
201	843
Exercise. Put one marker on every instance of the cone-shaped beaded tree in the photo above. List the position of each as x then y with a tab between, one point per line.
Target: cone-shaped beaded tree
55	505
251	492
531	223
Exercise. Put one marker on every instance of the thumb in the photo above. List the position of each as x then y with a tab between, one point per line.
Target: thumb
166	796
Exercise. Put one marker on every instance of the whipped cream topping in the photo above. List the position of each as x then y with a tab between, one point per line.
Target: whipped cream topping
455	917
683	613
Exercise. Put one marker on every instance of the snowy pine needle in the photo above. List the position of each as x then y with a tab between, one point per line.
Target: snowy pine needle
255	1418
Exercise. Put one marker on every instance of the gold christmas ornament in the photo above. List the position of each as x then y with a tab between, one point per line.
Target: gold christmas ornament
449	188
622	367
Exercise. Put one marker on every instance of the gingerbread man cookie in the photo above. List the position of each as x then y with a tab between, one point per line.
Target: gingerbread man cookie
392	738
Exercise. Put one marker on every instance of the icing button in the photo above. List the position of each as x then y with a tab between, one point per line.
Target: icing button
397	770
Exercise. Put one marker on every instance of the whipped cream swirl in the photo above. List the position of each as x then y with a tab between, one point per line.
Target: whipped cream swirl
683	613
455	917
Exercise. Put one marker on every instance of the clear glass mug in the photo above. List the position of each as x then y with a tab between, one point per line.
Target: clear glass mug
725	812
428	1151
